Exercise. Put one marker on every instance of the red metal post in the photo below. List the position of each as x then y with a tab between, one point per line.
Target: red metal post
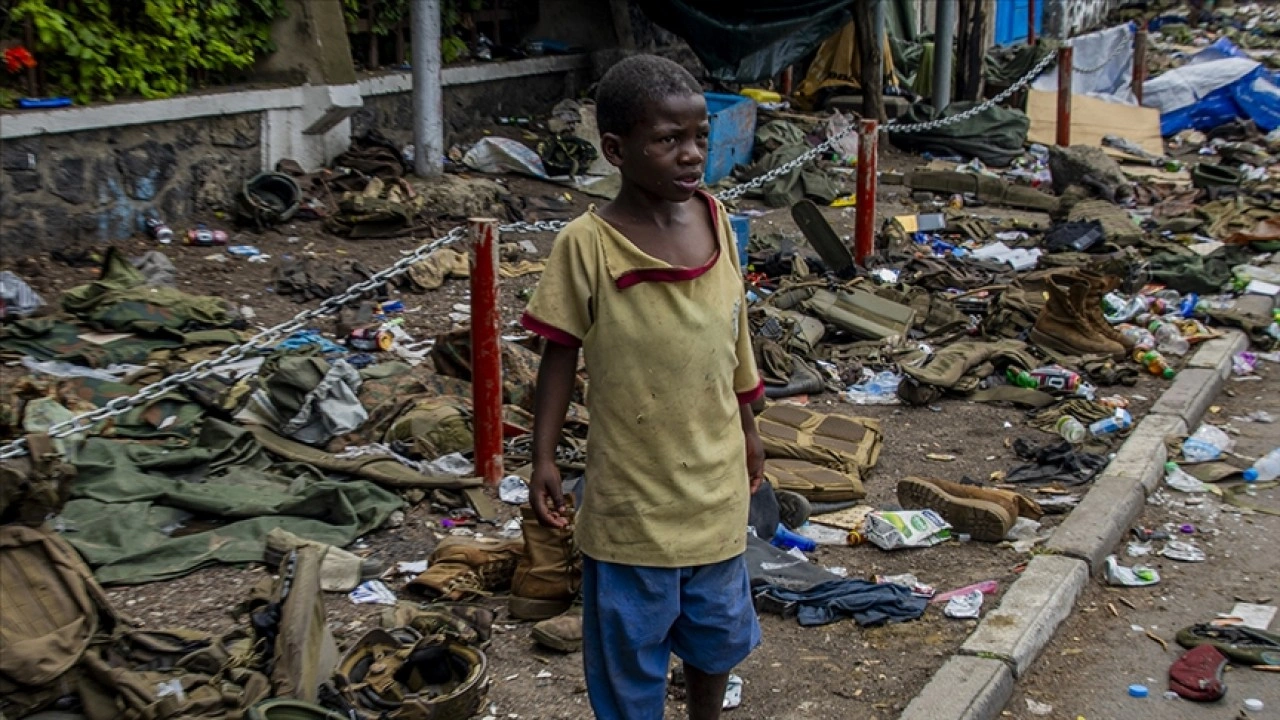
1139	62
1031	22
865	221
486	353
1064	95
785	88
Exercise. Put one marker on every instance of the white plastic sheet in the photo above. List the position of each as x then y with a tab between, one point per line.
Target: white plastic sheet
1114	47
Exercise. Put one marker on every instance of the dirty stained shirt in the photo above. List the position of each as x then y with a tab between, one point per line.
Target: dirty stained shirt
669	353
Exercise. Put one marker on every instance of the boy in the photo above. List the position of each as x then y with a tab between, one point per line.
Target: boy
649	287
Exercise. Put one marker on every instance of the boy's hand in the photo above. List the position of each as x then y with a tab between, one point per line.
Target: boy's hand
547	497
755	458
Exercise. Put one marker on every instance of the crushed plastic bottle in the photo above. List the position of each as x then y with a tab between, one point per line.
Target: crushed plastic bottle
1178	479
1070	429
1116	422
1206	443
1266	469
880	389
1169	338
1118	310
1141	337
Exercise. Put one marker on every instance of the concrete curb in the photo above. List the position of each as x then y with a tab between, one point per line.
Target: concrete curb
976	684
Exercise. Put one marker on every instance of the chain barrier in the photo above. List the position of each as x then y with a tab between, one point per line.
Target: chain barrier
270	336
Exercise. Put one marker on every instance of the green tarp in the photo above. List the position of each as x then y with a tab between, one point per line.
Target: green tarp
141	513
995	136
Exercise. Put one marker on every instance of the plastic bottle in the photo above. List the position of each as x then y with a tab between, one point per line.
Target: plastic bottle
1267	468
1117	421
159	230
1021	378
785	539
1070	429
1155	363
1206	443
1141	337
1056	379
1176	478
1126	311
1187	307
1169	338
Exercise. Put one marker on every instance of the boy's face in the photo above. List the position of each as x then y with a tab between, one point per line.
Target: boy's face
664	153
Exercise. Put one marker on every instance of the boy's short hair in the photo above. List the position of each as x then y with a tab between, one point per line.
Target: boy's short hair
630	87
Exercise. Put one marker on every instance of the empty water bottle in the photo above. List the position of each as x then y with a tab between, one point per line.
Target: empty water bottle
1169	338
1070	429
1177	478
1141	338
1206	443
1267	468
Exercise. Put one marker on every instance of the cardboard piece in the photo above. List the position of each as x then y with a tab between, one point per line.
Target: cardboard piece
1091	119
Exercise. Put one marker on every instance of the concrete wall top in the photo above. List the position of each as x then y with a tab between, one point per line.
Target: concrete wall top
50	122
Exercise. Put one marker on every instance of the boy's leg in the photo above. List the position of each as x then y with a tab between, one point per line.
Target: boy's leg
705	693
717	629
627	614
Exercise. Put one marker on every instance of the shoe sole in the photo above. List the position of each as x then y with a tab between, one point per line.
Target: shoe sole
979	519
523	608
552	642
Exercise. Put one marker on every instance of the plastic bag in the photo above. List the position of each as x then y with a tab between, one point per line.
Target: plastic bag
892	529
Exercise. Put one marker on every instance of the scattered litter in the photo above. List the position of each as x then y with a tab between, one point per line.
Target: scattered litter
452	464
372	592
409	567
1257	416
1206	443
1136	576
732	693
1253	704
1038	708
966	606
986	587
823	535
246	251
891	529
910	581
838	571
1252	615
941	457
543	675
1244	363
1138	691
1178	479
1138	549
1182	552
513	490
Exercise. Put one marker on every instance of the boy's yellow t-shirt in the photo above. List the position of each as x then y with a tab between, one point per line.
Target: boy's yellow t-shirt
669	354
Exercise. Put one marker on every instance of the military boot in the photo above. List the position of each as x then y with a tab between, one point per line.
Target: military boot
983	513
549	573
1063	325
1100	285
462	568
562	632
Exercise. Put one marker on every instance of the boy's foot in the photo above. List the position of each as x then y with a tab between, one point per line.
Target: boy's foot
562	633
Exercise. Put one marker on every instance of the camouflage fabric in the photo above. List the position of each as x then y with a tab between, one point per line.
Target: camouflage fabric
121	301
50	339
452	357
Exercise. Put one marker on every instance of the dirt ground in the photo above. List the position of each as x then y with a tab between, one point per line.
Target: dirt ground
1103	648
838	671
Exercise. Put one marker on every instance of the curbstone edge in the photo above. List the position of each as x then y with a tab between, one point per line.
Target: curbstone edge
1190	395
965	688
1217	354
1030	612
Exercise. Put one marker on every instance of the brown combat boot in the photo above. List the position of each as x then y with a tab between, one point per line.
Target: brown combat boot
1100	285
562	632
462	568
985	514
549	574
1063	325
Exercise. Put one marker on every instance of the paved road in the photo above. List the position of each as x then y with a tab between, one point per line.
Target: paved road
1096	655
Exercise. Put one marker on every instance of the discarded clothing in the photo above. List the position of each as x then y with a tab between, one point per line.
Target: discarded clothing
49	339
995	136
156	267
1058	463
806	181
121	301
867	603
310	399
16	296
130	499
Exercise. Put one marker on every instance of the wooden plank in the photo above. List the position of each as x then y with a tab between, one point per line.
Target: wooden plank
1091	119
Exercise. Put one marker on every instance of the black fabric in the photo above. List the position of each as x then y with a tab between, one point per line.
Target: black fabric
748	40
1054	463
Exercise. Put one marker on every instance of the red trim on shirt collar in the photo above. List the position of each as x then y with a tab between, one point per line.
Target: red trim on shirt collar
548	331
632	278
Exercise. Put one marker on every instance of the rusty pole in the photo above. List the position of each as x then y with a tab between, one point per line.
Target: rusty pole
865	218
1031	22
1139	62
1064	95
486	354
785	85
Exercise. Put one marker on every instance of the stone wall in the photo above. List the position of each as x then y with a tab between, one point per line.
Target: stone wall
467	108
56	190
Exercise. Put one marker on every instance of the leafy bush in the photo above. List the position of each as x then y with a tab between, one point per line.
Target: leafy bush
103	49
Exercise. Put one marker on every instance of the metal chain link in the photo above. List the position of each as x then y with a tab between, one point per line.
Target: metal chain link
270	336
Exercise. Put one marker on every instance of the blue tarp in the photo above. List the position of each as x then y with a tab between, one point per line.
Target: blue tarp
1219	85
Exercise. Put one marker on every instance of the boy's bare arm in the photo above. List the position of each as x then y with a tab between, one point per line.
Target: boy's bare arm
551	402
755	447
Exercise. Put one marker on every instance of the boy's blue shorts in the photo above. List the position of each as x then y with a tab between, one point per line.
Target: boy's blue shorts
633	618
